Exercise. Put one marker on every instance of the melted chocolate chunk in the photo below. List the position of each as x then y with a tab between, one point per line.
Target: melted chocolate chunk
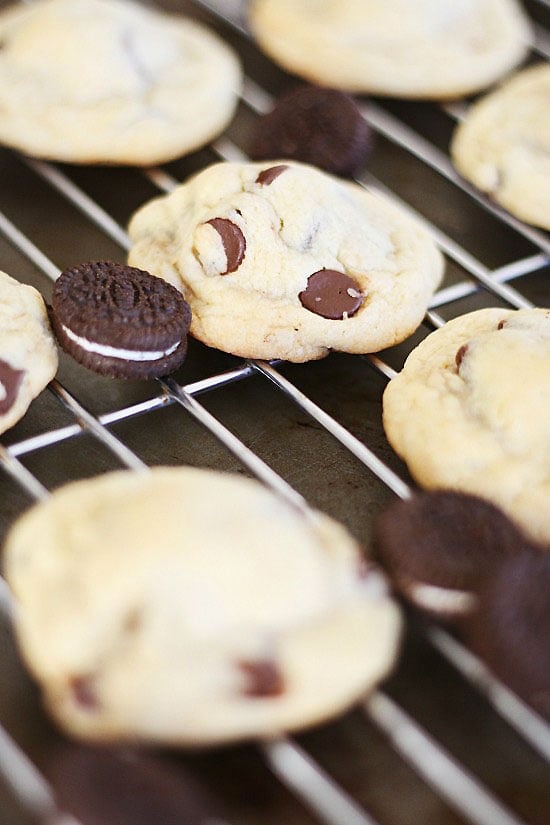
83	691
267	176
263	677
460	353
11	380
331	294
233	240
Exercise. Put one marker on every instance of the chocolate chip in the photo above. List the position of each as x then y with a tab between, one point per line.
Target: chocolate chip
84	694
233	240
263	677
10	379
331	294
501	324
267	176
461	352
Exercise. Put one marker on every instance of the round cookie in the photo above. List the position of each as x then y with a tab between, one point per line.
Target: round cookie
281	260
188	607
111	81
511	627
503	145
28	354
440	547
120	321
427	49
314	125
469	411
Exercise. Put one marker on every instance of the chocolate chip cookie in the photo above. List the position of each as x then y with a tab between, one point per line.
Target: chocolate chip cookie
89	81
503	145
469	411
28	354
430	49
188	607
281	260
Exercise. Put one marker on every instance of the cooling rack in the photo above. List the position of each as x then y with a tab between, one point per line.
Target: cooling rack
442	741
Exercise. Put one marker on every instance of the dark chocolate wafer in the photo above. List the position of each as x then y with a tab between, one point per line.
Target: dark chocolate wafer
315	125
439	547
120	321
510	628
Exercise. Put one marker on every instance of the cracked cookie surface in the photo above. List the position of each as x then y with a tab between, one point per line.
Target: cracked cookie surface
91	81
28	354
469	411
503	145
426	49
188	607
281	260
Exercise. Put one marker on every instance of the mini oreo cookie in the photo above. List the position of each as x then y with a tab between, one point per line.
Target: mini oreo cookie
511	627
315	125
440	547
120	321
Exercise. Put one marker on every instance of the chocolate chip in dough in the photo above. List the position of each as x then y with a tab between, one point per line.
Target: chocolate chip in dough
233	240
267	176
331	294
10	381
263	677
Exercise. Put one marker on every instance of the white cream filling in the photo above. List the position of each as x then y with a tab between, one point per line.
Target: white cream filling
442	599
113	352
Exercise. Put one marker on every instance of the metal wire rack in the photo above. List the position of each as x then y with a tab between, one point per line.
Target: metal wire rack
442	741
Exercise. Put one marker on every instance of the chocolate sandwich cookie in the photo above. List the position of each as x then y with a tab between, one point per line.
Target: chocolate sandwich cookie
511	627
441	547
120	321
314	125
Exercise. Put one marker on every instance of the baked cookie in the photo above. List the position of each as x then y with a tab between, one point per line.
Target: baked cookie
315	125
469	411
28	354
189	607
439	548
511	627
111	81
280	260
503	145
428	49
120	321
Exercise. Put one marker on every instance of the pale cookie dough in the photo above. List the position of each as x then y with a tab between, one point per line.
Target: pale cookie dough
189	607
28	354
503	145
422	49
111	81
470	411
280	260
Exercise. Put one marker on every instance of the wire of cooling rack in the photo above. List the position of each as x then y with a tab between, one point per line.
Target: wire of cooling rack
286	759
